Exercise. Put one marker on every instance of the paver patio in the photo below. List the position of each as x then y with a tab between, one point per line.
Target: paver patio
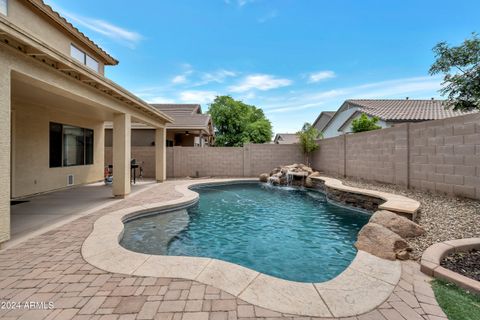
50	268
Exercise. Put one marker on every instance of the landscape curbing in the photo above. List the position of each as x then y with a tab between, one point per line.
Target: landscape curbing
368	280
431	258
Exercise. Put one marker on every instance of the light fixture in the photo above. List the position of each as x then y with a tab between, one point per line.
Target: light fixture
186	133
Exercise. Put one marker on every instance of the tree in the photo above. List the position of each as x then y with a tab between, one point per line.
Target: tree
461	66
237	123
364	123
307	138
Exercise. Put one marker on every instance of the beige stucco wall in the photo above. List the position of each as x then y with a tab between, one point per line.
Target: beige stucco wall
32	173
23	15
4	152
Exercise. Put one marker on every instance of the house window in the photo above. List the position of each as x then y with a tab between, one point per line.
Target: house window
83	58
70	146
3	6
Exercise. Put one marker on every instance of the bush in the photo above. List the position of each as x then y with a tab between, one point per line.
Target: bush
364	123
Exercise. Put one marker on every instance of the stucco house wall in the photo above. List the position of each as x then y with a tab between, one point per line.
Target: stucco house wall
31	171
338	125
40	26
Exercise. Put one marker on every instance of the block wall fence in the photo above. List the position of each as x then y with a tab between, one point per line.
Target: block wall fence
250	160
439	156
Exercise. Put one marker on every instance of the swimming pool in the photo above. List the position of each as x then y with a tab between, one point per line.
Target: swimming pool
289	233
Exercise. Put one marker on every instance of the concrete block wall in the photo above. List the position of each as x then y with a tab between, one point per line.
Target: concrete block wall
379	155
445	156
248	161
144	155
330	158
265	157
187	161
441	156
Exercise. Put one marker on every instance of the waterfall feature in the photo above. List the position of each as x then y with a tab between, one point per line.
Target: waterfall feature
291	175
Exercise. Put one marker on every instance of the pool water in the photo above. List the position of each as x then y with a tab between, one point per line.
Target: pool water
289	233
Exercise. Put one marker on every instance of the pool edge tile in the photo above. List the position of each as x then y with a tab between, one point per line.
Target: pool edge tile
227	276
353	293
285	296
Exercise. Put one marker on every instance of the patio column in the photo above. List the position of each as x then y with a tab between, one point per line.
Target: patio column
121	154
160	155
5	145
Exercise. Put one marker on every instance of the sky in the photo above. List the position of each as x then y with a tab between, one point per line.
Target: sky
292	58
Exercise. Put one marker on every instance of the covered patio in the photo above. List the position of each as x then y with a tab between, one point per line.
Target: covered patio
35	215
53	129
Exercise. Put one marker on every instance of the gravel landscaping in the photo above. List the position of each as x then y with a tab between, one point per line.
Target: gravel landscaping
444	218
465	263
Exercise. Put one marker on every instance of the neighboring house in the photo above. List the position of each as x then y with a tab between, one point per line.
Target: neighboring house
190	128
285	138
54	101
322	120
389	113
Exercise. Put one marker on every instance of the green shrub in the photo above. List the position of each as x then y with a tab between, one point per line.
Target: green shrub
364	123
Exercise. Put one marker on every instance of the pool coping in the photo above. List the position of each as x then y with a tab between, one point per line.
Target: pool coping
364	285
431	258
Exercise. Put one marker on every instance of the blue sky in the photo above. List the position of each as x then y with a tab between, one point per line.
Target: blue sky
292	58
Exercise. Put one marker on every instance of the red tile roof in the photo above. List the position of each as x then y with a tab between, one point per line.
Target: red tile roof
405	109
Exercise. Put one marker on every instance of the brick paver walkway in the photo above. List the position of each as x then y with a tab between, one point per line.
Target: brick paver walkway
50	268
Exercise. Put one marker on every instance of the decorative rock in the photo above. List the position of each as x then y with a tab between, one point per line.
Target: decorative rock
402	226
274	180
403	254
381	242
308	182
264	177
315	174
276	170
294	174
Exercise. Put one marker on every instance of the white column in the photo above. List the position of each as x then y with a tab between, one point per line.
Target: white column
160	155
121	154
5	145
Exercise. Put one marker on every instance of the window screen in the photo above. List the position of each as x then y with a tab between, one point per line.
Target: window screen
77	54
92	63
73	146
3	6
70	146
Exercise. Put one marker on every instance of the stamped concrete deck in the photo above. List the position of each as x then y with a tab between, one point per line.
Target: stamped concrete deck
50	268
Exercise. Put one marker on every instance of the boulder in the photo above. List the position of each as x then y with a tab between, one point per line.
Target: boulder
308	182
315	174
276	170
274	180
264	177
402	226
382	242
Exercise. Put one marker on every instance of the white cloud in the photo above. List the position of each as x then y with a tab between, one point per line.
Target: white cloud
269	16
240	3
105	28
320	75
218	76
197	96
183	77
179	79
262	82
397	88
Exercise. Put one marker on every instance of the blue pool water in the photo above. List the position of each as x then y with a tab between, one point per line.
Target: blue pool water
293	234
